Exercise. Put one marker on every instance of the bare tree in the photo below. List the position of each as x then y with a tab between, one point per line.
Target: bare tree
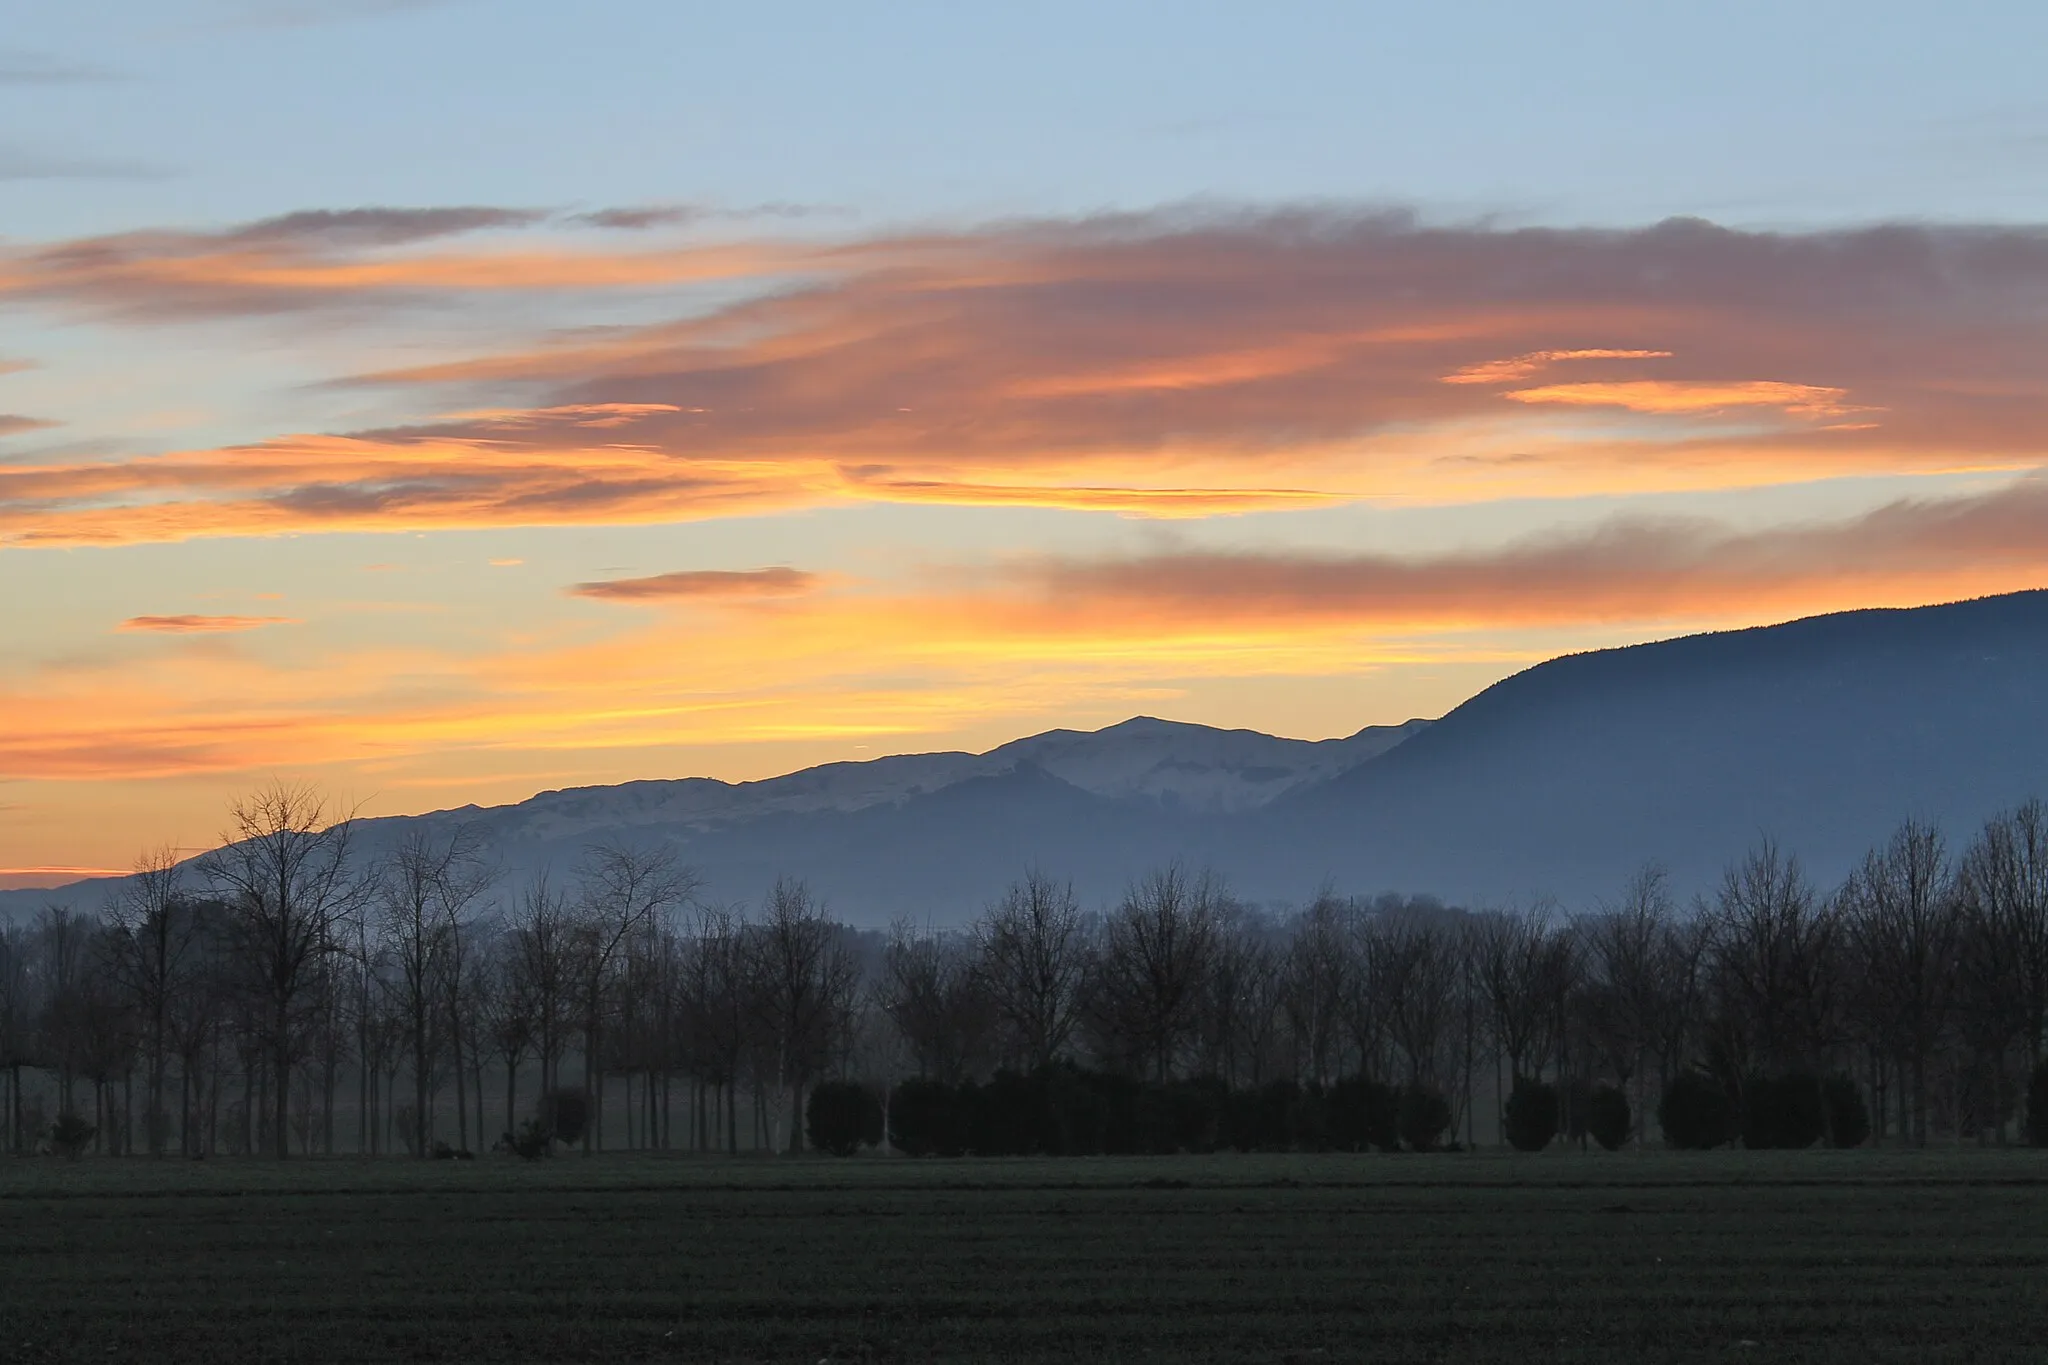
1241	1002
1625	942
284	873
20	1004
1033	956
930	994
416	939
542	965
1772	952
2004	884
1903	921
1158	950
1317	976
718	1004
621	889
1420	974
152	952
805	980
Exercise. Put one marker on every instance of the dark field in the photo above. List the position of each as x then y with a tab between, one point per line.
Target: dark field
1816	1256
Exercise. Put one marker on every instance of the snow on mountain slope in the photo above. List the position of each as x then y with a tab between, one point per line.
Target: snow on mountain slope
1192	766
1177	765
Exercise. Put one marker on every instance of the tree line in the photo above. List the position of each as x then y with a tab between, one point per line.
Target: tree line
286	993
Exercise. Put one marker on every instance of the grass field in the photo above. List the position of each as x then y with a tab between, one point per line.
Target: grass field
1649	1257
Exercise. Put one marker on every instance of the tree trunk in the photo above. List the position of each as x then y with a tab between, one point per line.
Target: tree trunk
461	1091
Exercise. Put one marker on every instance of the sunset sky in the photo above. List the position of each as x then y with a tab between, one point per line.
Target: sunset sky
444	402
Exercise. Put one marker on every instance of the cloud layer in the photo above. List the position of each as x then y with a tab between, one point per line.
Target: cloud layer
1154	365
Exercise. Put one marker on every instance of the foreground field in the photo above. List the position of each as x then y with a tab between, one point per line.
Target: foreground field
1817	1256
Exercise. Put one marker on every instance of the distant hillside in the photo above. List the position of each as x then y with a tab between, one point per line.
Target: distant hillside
1559	780
1824	732
927	835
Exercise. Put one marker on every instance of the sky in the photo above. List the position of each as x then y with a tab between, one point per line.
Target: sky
445	402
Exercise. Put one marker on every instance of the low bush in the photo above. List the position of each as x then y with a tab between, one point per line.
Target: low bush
1609	1120
1695	1113
70	1135
1848	1117
841	1117
1364	1114
1530	1118
1782	1112
2037	1107
565	1112
533	1141
1425	1118
922	1119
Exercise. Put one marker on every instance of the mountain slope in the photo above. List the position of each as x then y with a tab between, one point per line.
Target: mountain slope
1823	733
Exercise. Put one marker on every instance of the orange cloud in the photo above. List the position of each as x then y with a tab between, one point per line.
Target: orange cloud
194	625
1517	368
1679	396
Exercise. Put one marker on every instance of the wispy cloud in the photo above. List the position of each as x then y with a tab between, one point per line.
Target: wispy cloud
309	13
201	625
701	584
26	163
12	424
21	67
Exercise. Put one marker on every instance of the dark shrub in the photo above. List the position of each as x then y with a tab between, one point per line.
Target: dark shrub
1199	1107
1309	1118
1010	1117
1425	1118
841	1117
533	1141
1364	1113
1848	1118
1075	1117
1782	1112
2037	1107
70	1135
1119	1100
565	1113
1531	1115
445	1152
922	1118
1695	1113
1242	1117
1608	1118
1278	1106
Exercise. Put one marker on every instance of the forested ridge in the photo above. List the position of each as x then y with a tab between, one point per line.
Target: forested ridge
283	996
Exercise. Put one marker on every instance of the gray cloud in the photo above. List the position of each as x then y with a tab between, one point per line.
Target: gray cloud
12	424
376	226
1627	569
701	583
639	217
